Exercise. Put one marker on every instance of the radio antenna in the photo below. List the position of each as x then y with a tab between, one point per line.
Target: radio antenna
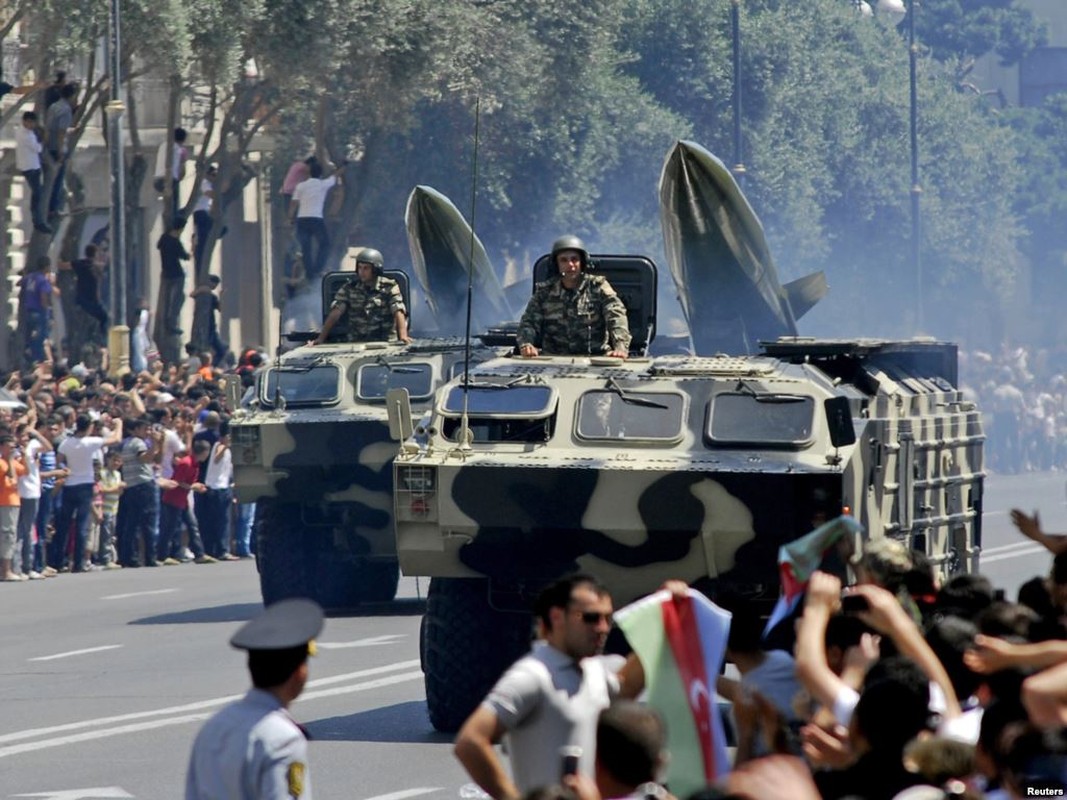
465	436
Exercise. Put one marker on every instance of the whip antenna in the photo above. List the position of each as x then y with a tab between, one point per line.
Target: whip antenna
465	436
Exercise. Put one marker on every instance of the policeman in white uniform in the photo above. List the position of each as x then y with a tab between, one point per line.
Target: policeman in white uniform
252	749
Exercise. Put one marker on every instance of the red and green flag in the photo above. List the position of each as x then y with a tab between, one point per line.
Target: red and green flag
800	558
681	643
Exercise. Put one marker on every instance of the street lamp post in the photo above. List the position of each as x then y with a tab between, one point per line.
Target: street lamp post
898	9
916	188
735	30
119	335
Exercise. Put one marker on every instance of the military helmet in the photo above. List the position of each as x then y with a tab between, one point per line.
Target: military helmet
570	242
368	255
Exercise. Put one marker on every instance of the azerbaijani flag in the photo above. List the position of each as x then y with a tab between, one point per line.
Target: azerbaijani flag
798	559
681	644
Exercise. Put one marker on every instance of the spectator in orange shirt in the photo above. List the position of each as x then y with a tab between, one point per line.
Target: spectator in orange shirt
11	467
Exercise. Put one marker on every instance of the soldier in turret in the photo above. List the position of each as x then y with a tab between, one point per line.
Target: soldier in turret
370	306
575	313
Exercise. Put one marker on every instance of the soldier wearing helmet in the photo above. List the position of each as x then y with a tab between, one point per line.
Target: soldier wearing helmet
370	305
575	313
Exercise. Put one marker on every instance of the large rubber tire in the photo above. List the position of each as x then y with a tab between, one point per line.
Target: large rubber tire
466	646
378	581
335	580
280	552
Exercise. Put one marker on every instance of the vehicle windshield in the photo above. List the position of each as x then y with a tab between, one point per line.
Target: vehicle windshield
610	414
500	399
318	385
777	420
374	380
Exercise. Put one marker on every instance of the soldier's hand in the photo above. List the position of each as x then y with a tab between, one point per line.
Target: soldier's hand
528	351
406	339
618	354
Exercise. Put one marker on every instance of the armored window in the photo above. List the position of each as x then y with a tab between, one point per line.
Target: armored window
644	416
501	413
374	380
771	420
501	399
319	385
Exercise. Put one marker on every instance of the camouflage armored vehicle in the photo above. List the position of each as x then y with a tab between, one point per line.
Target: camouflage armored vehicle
691	467
313	451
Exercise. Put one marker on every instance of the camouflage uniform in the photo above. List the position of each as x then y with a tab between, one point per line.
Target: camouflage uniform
587	320
369	310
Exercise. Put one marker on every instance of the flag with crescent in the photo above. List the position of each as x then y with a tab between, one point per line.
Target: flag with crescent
681	643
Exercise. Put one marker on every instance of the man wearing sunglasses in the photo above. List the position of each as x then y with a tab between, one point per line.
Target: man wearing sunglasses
550	699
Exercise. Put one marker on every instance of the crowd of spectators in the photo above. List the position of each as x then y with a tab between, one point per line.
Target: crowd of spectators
1022	394
101	473
899	687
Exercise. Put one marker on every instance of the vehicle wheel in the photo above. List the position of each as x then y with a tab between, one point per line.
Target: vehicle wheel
377	581
466	647
280	555
335	582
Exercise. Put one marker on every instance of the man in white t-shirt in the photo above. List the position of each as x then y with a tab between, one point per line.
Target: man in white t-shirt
179	154
32	444
202	219
212	508
173	440
79	454
28	162
307	210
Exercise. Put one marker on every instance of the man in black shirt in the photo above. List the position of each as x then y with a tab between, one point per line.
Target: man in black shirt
172	290
220	350
87	274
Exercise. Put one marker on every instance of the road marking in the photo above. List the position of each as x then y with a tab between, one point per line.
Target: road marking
402	795
1007	547
191	712
112	792
1029	551
77	652
389	638
137	594
74	738
137	727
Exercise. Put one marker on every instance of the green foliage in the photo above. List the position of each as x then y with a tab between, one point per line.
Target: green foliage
963	30
578	103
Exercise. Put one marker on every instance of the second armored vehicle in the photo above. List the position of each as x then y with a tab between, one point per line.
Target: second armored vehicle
313	451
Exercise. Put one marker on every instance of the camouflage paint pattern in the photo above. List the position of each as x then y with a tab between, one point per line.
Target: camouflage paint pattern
444	253
720	261
636	512
334	461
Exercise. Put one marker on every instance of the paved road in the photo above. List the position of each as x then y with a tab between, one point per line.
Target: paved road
105	677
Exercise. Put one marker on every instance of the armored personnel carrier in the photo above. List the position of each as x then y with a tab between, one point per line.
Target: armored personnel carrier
313	451
691	467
